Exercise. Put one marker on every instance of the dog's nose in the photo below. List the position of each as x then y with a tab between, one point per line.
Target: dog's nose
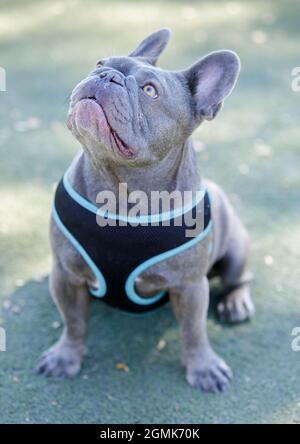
113	77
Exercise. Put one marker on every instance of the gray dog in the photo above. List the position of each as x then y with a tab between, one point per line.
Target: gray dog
134	122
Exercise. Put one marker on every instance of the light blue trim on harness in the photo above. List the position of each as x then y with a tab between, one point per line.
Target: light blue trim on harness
151	218
129	285
101	290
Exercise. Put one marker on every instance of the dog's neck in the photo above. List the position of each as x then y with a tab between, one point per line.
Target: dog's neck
178	171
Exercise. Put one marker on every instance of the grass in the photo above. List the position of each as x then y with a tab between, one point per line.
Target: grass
251	149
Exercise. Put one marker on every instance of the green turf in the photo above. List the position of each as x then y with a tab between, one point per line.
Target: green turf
251	149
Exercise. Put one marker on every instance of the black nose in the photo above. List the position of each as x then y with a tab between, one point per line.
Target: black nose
113	77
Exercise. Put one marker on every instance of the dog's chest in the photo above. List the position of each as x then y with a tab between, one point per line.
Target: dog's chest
118	251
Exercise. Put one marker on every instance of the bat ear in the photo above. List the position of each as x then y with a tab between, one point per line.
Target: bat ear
211	80
152	46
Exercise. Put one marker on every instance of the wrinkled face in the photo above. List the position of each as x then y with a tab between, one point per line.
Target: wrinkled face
131	112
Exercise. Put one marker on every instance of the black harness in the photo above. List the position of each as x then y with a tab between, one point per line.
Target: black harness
118	254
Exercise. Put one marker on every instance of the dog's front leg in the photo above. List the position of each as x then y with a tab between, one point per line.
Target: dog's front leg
65	356
205	370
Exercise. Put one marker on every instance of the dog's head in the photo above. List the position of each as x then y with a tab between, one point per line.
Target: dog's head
132	112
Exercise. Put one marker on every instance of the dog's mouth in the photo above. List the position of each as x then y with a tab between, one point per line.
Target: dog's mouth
117	144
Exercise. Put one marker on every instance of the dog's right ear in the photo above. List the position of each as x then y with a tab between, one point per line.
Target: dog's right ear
152	46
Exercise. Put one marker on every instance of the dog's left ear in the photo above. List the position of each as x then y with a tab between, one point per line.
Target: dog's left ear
211	80
152	46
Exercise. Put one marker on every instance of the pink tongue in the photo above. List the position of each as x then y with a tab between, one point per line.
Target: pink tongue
90	117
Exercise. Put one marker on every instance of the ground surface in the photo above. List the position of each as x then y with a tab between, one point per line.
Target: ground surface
251	149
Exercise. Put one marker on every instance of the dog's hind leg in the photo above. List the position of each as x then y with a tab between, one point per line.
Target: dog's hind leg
72	299
236	304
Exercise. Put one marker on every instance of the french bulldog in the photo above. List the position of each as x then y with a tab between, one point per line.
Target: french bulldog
134	122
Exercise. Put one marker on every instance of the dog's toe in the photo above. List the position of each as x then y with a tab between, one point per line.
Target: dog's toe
213	376
59	361
237	306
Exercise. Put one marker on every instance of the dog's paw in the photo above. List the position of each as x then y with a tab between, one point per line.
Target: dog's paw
237	306
210	374
60	360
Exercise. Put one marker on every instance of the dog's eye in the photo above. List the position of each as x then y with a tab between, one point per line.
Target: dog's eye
100	63
150	90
